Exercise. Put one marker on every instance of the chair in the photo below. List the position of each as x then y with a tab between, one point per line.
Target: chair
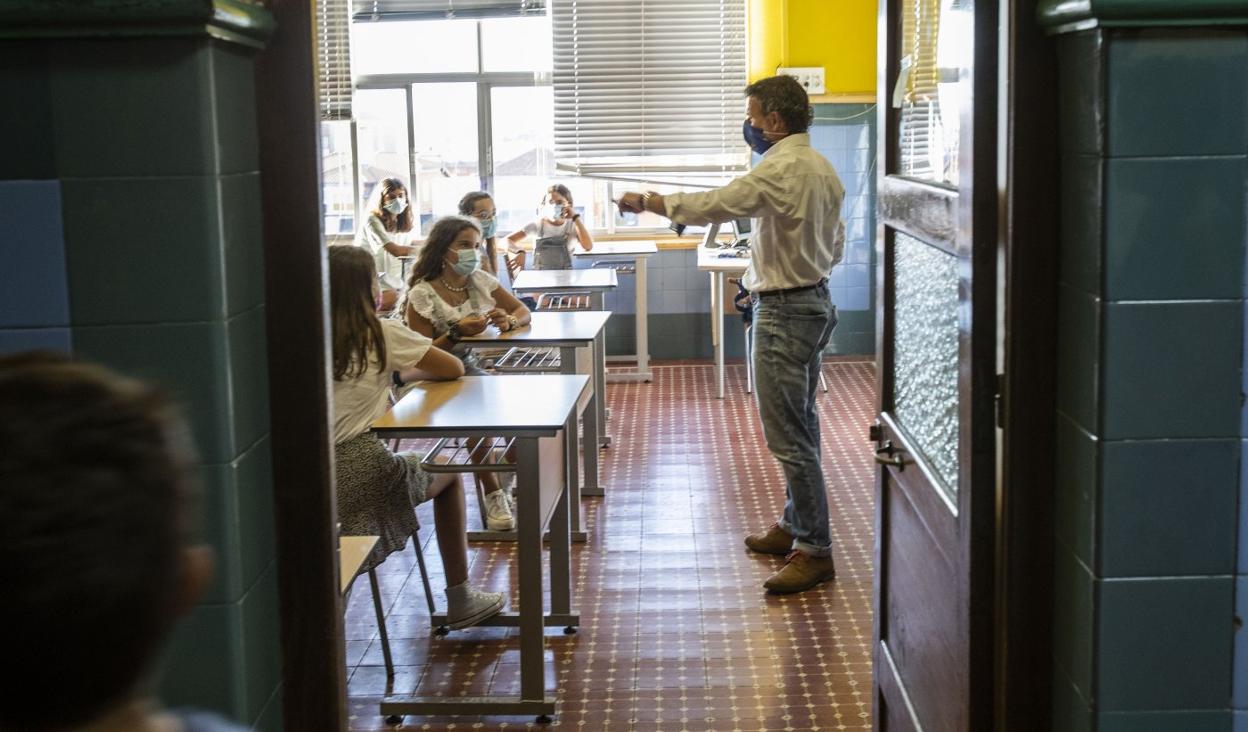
377	605
744	306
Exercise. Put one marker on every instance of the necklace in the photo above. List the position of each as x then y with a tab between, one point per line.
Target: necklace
451	287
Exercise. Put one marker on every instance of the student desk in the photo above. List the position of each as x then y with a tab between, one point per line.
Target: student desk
635	253
719	269
539	411
592	282
566	330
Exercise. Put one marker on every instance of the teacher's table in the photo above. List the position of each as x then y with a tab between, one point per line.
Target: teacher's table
591	282
616	254
719	268
539	413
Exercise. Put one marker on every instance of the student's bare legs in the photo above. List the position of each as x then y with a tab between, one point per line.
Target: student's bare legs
447	492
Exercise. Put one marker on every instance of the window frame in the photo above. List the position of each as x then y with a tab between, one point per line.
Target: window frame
485	82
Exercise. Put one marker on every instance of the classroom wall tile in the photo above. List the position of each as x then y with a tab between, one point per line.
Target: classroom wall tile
33	289
29	152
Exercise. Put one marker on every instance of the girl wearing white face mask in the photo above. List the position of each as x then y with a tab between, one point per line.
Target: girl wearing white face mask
388	234
449	296
557	232
479	205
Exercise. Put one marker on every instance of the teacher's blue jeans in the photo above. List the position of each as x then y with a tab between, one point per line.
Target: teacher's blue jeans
790	333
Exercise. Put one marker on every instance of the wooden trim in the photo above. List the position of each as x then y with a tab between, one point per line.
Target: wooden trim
313	662
978	216
922	210
1028	249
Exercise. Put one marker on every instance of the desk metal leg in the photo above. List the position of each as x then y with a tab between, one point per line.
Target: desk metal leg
717	329
642	300
529	559
560	531
600	375
591	487
567	360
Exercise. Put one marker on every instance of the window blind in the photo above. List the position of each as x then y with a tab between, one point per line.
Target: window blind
438	9
649	86
333	58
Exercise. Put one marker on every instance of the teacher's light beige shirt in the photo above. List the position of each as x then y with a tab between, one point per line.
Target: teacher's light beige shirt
795	197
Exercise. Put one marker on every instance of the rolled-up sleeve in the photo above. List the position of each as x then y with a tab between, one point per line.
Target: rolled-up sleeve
761	192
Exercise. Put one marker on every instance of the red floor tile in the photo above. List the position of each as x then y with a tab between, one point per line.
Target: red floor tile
677	633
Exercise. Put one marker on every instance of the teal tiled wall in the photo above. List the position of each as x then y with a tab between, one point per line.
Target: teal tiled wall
129	198
1150	378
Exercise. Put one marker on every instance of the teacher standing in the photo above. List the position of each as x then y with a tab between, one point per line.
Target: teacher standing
796	197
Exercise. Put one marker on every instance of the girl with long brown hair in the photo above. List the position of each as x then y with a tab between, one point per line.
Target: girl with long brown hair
378	489
388	234
449	296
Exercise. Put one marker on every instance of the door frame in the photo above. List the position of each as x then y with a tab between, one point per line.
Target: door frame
1028	181
296	291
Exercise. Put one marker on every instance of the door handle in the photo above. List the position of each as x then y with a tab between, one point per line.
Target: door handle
887	454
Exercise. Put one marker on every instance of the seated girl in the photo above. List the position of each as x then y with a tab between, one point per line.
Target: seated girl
449	297
387	234
556	233
377	489
479	205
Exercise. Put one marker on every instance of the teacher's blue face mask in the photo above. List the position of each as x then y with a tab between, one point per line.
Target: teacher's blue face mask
754	138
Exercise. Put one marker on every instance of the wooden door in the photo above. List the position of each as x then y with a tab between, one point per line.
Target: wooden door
936	346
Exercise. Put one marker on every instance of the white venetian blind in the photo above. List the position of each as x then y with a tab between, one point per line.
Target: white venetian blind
333	58
649	85
426	9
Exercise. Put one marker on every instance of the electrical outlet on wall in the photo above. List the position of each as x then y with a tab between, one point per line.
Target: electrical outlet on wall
810	77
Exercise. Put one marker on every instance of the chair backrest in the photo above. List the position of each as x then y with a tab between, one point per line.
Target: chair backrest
514	265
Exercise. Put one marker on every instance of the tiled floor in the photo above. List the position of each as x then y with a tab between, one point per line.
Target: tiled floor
676	631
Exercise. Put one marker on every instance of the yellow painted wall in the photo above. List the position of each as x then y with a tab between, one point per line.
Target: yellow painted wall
838	35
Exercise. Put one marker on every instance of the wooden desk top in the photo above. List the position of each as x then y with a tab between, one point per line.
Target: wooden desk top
710	261
571	280
548	328
505	405
618	248
352	551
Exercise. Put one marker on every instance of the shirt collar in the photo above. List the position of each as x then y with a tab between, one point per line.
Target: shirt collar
797	139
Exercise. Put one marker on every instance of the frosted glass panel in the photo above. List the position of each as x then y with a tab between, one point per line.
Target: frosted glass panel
925	370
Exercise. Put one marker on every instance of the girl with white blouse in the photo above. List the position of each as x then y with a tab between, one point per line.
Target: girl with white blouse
449	296
388	234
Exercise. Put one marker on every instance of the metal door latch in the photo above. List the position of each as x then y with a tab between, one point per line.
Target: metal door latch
890	455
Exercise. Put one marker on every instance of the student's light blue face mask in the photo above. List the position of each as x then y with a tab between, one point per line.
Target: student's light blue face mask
488	228
467	262
396	206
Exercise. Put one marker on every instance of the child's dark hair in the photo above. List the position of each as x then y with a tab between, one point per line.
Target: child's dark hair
93	487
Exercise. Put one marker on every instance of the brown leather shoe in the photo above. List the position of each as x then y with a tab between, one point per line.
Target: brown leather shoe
772	540
801	572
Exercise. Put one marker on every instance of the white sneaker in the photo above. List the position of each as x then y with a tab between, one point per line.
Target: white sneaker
498	512
465	607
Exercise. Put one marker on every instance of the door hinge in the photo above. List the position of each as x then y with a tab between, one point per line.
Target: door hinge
875	432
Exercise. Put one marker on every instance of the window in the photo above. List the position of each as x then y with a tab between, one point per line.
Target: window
381	139
649	87
464	104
